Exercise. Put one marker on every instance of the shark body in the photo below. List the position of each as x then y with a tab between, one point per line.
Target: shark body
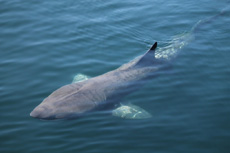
76	99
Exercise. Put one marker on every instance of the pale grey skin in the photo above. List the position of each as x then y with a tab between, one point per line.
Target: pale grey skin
76	99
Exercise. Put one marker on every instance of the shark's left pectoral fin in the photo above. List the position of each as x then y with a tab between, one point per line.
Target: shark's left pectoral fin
131	111
80	77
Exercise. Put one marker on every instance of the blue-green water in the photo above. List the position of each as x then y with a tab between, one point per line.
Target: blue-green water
44	44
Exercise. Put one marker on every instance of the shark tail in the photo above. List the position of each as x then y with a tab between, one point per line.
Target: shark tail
209	20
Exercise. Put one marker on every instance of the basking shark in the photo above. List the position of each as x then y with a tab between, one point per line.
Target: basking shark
76	99
85	95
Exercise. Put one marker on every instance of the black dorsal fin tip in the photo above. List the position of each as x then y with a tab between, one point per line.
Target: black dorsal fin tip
154	46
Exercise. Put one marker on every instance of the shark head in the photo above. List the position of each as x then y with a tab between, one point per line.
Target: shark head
66	102
42	112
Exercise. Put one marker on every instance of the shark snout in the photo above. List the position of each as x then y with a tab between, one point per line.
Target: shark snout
41	112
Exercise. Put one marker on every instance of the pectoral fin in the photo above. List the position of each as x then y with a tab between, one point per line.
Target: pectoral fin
80	77
131	112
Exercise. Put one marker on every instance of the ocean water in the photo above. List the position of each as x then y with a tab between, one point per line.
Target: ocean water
44	44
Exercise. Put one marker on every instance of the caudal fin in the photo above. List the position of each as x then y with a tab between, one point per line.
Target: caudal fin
209	20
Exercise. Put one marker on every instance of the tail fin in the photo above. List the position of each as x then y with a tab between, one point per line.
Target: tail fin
208	20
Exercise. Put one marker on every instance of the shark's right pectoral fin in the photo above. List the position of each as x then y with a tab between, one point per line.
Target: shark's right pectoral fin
131	111
80	77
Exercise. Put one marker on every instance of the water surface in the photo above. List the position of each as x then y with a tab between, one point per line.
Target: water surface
44	44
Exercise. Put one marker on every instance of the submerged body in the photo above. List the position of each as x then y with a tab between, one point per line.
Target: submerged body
76	99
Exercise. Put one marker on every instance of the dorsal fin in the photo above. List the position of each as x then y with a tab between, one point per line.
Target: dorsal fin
154	46
149	56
